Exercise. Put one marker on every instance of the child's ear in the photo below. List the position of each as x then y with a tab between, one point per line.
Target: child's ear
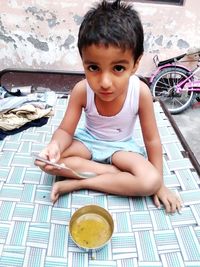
135	67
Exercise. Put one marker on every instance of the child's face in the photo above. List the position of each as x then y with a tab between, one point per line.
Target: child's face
108	69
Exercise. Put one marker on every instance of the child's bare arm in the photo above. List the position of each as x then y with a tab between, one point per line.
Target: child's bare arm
149	128
153	145
62	137
73	112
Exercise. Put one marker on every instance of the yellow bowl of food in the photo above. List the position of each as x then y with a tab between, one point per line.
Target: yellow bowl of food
91	227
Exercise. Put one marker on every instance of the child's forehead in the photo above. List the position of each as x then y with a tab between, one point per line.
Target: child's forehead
101	51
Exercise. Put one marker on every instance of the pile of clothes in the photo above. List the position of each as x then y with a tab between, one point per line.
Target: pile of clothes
19	111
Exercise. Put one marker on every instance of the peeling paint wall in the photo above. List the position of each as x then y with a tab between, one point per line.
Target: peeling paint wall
43	34
169	31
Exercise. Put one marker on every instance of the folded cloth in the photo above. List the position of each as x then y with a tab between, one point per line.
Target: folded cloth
42	100
36	123
16	118
5	93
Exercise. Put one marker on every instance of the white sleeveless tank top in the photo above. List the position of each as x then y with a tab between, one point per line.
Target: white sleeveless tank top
114	128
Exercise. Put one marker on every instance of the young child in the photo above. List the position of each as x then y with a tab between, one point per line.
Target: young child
110	43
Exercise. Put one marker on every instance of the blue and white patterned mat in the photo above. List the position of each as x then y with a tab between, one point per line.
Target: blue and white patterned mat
33	233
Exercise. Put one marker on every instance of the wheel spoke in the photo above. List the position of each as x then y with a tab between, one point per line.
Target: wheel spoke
164	86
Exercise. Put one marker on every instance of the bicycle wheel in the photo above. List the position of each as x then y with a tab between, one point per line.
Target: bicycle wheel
164	87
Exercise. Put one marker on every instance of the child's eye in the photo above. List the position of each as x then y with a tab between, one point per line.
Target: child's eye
119	68
93	68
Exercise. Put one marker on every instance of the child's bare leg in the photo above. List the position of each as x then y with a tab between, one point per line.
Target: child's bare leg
77	157
82	165
137	177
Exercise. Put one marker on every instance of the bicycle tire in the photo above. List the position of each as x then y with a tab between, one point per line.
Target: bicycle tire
163	87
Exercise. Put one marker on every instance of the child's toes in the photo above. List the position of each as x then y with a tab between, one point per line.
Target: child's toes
54	194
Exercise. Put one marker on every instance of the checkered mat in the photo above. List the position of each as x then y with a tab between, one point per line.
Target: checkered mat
33	233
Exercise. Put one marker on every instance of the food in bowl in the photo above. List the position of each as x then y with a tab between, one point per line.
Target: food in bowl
91	227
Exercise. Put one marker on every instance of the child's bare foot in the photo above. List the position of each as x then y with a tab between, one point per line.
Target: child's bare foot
63	187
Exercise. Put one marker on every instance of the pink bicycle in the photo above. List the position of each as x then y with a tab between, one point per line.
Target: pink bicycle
174	84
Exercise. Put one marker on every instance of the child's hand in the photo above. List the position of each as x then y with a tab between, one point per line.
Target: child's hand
52	153
170	200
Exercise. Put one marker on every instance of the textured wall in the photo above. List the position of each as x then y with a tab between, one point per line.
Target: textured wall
169	30
43	34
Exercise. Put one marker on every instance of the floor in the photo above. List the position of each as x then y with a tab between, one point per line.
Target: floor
188	123
34	233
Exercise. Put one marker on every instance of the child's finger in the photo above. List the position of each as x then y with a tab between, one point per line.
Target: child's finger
179	206
174	206
156	201
179	203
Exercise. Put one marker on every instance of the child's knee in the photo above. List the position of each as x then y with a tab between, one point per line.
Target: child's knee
152	183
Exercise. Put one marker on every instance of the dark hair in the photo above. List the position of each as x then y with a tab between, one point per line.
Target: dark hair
112	23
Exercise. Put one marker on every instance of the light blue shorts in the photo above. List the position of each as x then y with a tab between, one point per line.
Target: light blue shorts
102	151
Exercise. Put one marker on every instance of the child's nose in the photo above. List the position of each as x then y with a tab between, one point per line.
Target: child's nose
106	80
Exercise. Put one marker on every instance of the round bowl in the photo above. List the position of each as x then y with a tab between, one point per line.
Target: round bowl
91	227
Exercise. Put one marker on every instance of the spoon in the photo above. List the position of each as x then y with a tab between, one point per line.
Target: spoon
83	175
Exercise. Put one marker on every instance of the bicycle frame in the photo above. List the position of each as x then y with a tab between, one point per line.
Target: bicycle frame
175	84
163	67
191	84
